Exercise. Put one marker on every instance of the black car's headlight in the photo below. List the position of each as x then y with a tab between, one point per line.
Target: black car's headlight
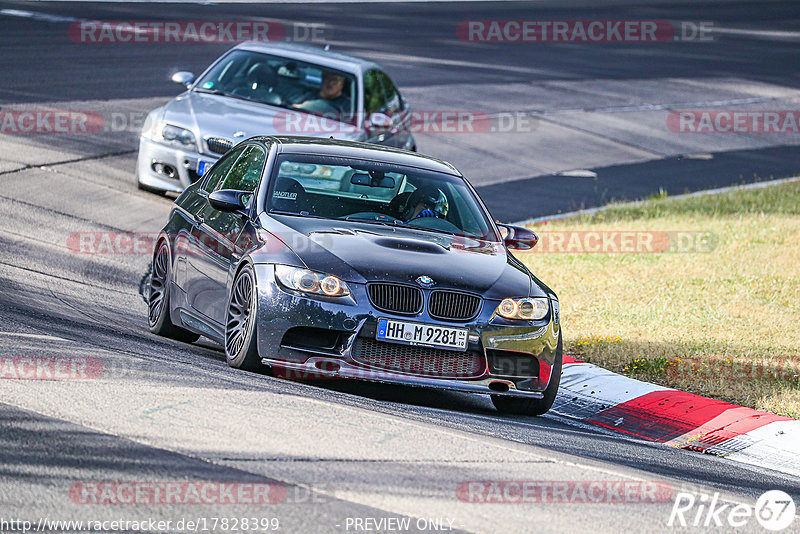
177	136
527	309
310	282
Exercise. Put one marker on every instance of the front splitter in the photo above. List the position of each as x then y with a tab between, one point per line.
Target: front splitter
322	368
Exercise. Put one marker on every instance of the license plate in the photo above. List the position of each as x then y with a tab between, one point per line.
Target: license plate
427	335
202	167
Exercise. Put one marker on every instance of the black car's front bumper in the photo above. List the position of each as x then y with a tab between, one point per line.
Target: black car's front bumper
302	337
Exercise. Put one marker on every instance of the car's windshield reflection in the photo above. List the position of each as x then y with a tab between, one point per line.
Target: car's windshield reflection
283	82
376	193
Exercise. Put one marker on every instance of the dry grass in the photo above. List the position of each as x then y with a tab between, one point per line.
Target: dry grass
724	324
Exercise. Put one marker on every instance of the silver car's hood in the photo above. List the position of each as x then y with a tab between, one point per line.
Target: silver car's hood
220	116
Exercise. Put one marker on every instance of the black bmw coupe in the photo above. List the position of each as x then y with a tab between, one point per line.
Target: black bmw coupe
345	260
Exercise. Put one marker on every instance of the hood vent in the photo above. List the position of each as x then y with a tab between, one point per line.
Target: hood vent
410	245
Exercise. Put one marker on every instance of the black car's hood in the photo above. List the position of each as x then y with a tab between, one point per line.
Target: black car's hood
360	252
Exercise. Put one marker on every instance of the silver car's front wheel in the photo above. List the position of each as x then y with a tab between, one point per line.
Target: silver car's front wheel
241	349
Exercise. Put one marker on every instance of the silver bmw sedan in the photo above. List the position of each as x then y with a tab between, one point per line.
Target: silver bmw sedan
268	89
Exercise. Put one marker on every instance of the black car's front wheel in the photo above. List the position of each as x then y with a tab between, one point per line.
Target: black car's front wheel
525	406
241	350
158	300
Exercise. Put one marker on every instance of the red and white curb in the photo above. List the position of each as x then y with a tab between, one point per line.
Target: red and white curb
597	396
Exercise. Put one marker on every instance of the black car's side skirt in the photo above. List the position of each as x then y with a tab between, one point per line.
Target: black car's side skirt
200	326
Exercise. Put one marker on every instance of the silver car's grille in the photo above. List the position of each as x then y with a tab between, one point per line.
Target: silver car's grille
453	306
395	298
218	145
418	361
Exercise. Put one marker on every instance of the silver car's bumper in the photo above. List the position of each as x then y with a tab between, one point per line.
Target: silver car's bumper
354	319
167	168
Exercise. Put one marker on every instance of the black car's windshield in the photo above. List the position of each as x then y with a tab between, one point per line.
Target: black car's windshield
376	192
283	82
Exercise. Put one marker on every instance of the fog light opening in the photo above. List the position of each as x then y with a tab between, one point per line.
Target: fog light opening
327	366
500	387
163	168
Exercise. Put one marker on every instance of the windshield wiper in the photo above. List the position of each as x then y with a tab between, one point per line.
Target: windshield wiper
293	214
211	91
370	221
397	223
229	95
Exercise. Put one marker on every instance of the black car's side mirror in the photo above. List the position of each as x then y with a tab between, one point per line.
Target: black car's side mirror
228	200
519	238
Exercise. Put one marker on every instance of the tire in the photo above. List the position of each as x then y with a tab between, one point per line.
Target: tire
241	349
525	406
158	300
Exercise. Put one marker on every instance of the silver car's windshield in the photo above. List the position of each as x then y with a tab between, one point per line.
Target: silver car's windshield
376	192
283	82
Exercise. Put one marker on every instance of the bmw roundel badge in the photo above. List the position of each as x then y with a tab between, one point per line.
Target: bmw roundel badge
425	281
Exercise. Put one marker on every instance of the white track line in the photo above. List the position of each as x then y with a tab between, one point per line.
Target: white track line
34	336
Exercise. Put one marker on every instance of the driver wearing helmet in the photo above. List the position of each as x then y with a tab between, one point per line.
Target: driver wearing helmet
426	201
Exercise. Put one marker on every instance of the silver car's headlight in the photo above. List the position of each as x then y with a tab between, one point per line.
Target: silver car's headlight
310	282
177	136
528	309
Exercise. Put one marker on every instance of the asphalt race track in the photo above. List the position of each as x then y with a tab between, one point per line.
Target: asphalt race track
161	411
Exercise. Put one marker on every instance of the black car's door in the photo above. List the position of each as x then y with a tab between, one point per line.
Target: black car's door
189	275
220	231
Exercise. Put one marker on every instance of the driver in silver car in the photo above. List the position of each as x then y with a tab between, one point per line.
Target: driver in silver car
330	97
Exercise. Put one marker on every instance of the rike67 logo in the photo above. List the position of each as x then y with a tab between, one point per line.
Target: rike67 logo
774	510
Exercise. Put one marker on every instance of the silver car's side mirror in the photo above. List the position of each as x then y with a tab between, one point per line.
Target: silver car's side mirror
184	78
377	122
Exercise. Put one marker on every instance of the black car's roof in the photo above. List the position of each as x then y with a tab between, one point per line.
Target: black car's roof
352	149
